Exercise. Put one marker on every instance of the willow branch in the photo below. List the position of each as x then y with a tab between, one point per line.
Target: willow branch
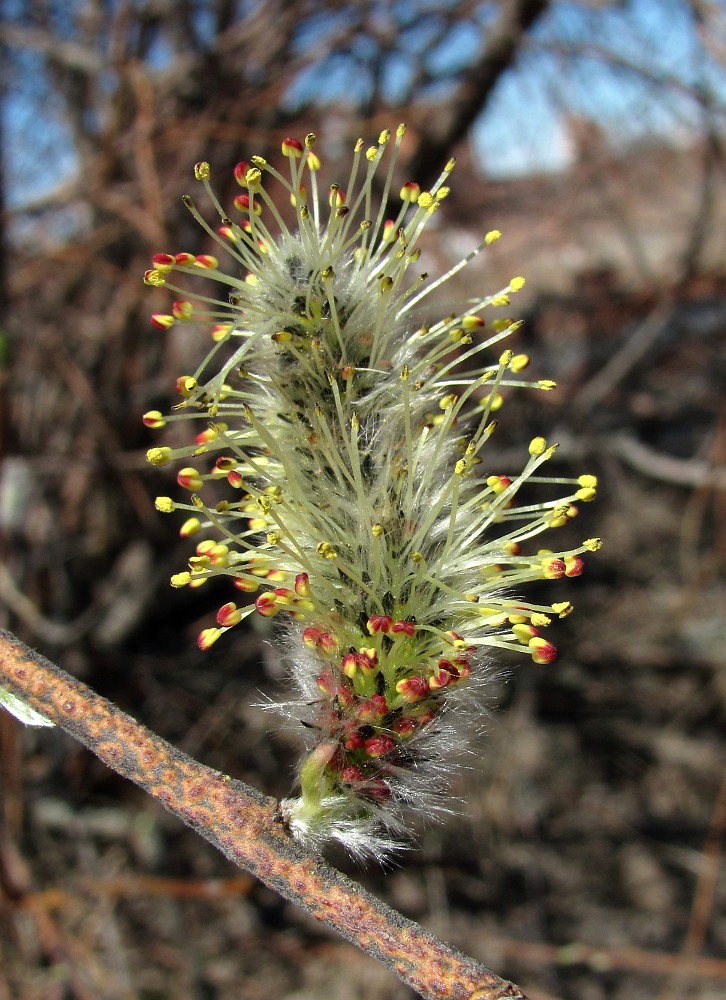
244	825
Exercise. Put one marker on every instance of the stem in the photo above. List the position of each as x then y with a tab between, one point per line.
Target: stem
244	825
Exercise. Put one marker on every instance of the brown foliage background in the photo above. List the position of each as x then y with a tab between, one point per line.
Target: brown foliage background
596	810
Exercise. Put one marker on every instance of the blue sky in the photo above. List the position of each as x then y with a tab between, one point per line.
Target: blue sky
565	69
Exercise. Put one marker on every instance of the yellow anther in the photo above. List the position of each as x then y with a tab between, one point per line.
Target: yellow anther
202	171
253	177
540	621
181	579
537	446
592	544
158	456
165	505
516	283
190	527
492	236
586	494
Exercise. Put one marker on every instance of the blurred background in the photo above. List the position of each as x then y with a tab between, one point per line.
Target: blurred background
588	862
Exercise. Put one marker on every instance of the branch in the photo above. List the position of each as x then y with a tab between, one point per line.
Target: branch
503	41
244	825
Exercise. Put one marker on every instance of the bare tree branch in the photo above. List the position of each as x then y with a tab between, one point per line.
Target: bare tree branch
244	825
503	41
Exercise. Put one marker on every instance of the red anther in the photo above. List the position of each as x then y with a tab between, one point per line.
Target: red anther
163	261
207	637
410	191
189	479
246	586
311	636
574	566
184	259
407	627
282	592
243	203
554	569
207	261
162	321
153	419
404	727
367	659
413	688
185	385
378	746
459	638
426	717
441	680
228	615
292	147
354	742
345	696
235	479
265	604
542	651
182	310
240	172
373	709
327	643
499	483
379	623
376	788
302	585
352	775
225	463
326	682
349	664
